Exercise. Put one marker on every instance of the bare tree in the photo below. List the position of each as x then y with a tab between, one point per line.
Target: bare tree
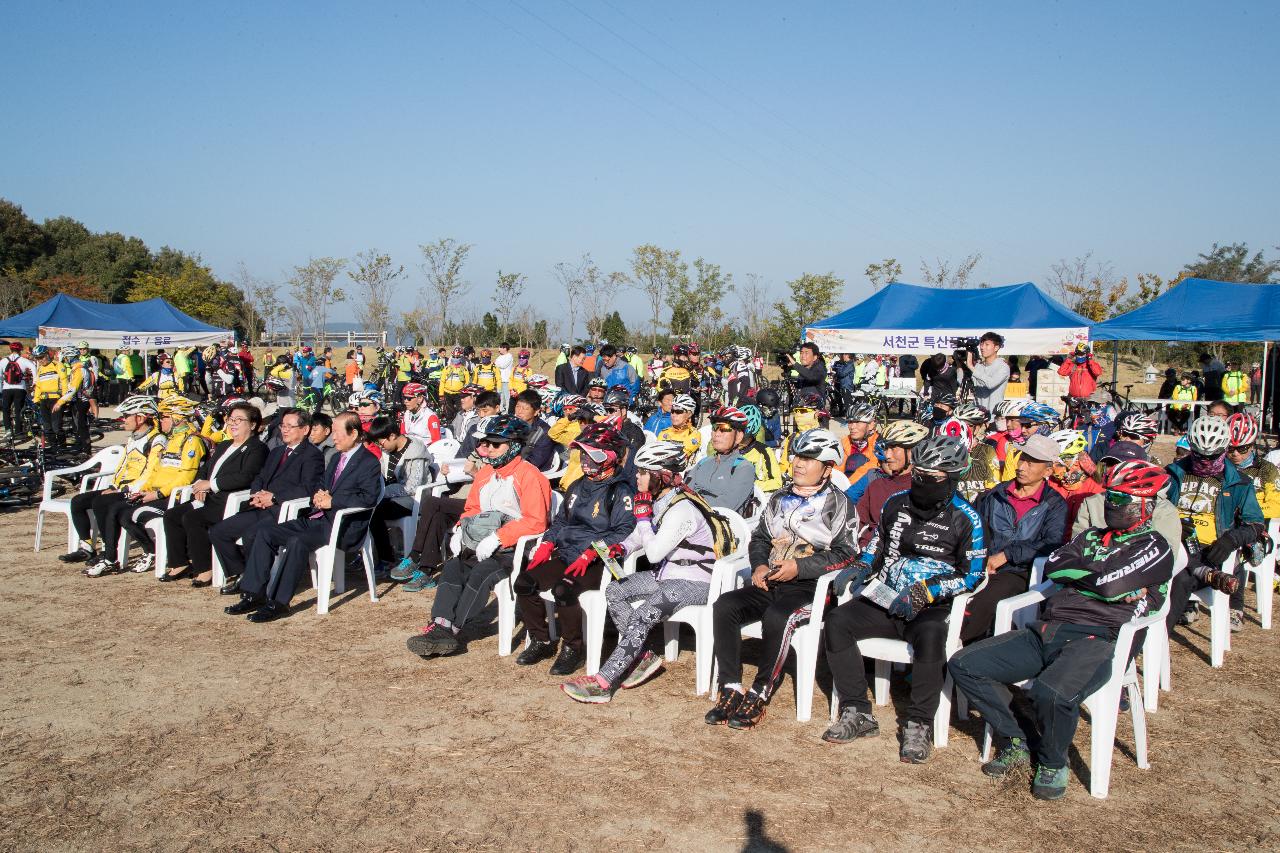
442	265
506	297
886	272
295	320
312	286
655	271
753	297
1088	287
377	276
599	297
948	274
573	281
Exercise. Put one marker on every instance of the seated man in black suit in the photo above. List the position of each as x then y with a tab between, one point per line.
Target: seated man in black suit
235	463
572	377
293	470
353	479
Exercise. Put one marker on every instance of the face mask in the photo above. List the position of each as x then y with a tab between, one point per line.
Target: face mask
929	495
485	360
513	450
806	421
1208	466
1014	431
1121	517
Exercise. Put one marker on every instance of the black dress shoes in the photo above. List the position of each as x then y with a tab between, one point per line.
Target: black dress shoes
232	586
268	612
537	651
246	604
568	661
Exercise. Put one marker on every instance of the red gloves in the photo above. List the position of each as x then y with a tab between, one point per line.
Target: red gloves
642	505
578	567
616	551
541	555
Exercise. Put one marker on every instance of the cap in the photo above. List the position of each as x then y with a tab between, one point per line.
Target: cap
1041	448
1123	451
15	346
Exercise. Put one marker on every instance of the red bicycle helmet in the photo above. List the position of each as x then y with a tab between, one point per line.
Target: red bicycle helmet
1137	477
735	418
413	389
1244	429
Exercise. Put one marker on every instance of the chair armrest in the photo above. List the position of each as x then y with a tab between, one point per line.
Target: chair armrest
235	500
1007	607
436	487
289	510
820	598
525	546
95	482
180	495
1037	570
342	516
629	564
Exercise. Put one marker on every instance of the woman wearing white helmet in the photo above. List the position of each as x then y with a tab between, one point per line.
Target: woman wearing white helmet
673	534
806	530
928	547
1220	514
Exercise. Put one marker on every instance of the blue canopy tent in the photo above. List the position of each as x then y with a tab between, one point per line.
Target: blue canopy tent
151	324
909	318
1199	309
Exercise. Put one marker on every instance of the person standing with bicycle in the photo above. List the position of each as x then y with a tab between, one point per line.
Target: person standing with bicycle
16	373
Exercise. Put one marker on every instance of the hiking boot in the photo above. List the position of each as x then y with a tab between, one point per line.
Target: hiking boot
144	564
917	742
726	704
1012	757
851	725
1190	615
404	570
1237	621
538	650
1049	784
645	668
568	661
587	688
419	581
80	555
750	712
102	567
434	640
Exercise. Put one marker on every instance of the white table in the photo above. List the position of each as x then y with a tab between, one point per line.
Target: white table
1163	406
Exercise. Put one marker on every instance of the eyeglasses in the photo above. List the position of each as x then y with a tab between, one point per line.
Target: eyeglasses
238	420
723	428
290	426
492	445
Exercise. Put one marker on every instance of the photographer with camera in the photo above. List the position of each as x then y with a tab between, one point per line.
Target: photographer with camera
809	373
989	371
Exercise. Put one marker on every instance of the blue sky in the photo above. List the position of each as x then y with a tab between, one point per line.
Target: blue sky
769	138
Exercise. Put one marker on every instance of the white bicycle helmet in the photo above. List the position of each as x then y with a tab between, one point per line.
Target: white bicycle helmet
1209	435
904	433
684	403
819	444
1010	408
1071	442
661	456
137	404
971	413
862	413
942	453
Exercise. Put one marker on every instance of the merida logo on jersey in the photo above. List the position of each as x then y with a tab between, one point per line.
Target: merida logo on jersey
1139	562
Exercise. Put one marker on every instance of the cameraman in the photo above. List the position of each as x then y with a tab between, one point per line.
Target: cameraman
990	373
810	373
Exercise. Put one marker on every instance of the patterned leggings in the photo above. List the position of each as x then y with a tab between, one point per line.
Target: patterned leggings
658	600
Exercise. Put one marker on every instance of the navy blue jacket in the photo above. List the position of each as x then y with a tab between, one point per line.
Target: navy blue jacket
1038	534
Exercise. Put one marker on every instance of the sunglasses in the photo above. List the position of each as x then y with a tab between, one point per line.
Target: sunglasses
723	428
613	410
595	454
1119	498
1240	448
803	410
489	443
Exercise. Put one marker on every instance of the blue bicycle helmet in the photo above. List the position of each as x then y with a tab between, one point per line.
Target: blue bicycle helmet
1040	413
755	420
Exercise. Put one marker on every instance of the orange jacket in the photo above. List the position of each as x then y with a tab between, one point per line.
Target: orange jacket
491	490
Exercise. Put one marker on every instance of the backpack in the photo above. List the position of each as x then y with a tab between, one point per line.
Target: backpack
723	541
13	374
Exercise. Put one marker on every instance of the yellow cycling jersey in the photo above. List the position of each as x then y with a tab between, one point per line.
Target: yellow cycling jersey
677	378
137	451
1266	484
563	432
79	382
174	463
164	383
212	433
689	437
768	469
50	382
486	376
453	379
520	379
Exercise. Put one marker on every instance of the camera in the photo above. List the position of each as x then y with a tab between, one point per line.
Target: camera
967	345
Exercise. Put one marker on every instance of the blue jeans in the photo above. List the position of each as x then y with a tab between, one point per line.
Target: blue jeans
1068	662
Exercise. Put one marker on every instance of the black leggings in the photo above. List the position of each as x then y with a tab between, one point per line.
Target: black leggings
780	610
436	518
96	504
135	521
980	612
387	509
14	400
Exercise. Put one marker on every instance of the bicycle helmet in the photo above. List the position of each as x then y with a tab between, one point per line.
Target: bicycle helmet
661	456
39	351
971	413
862	413
767	398
471	390
684	403
755	420
504	428
413	389
1137	423
597	382
564	401
946	400
955	428
600	443
1039	413
680	349
588	410
1071	442
1243	428
735	418
1209	435
904	434
68	354
1010	408
807	399
177	406
1136	477
137	404
942	453
227	402
617	396
536	381
819	444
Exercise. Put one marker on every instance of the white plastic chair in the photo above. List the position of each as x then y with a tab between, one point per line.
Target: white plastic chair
444	450
235	501
806	640
1219	605
504	590
1264	576
886	653
328	562
409	524
106	461
156	526
1104	703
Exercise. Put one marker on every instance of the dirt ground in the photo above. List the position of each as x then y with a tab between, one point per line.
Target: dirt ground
136	715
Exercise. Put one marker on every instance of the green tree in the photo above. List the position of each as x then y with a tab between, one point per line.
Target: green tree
109	261
442	265
193	290
656	272
21	240
1234	263
489	330
695	304
813	297
886	272
613	329
312	288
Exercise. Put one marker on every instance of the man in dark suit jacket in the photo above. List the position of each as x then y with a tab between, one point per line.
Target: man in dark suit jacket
571	376
292	470
353	479
233	466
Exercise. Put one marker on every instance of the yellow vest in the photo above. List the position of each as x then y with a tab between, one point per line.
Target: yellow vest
174	463
50	382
